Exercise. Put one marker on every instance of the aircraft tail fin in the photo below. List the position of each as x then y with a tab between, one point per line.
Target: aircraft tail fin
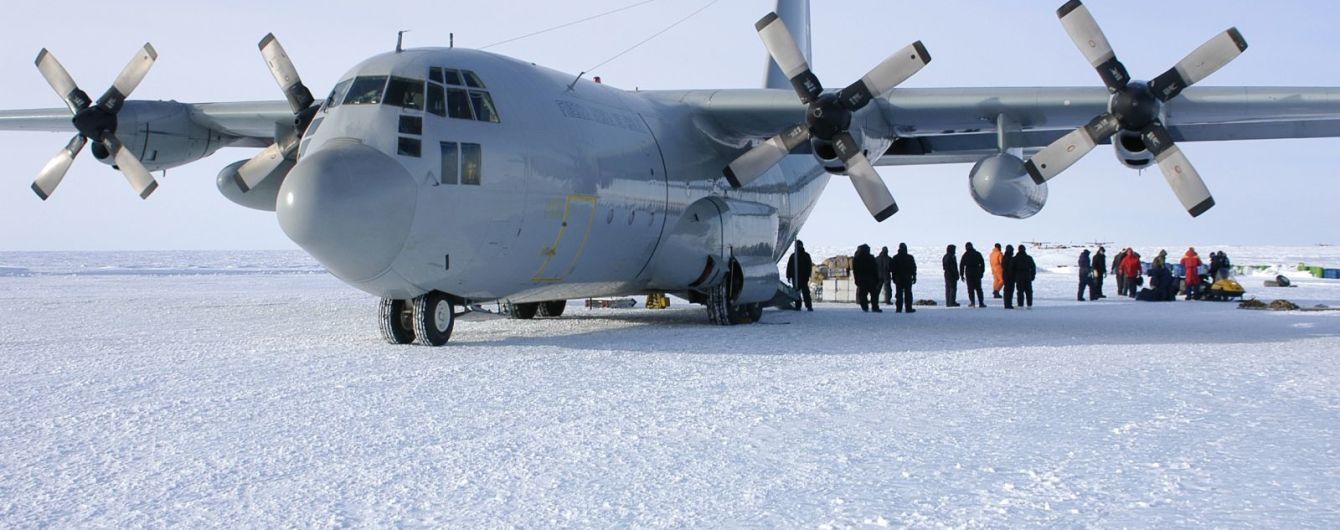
796	15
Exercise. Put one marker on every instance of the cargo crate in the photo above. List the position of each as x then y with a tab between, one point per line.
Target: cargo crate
1333	274
1317	271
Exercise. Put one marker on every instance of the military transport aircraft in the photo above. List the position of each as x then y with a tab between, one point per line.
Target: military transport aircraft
438	178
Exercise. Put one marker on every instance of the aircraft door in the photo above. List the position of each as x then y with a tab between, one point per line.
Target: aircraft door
573	233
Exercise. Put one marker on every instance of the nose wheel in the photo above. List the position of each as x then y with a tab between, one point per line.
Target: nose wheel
427	320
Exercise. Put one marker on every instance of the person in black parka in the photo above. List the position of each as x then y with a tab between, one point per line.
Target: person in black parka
885	262
1007	265
1085	282
904	273
1099	273
1024	272
973	267
865	271
950	265
798	270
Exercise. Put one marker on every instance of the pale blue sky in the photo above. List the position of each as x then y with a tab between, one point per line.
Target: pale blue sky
1267	191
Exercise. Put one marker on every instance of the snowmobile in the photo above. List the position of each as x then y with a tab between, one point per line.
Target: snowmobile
1224	290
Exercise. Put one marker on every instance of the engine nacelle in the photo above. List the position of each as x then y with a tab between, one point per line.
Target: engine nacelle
1002	187
1131	150
262	197
717	240
163	135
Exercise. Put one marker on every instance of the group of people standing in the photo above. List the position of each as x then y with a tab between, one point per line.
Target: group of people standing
1130	272
1014	271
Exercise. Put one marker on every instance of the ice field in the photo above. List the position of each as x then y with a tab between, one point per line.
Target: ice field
250	389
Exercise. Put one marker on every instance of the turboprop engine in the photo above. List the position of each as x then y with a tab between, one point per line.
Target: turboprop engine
1131	150
1002	187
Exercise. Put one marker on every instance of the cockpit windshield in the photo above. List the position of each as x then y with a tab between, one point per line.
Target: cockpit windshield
366	90
404	92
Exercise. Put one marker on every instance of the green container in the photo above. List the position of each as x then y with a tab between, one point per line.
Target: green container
1302	266
1317	272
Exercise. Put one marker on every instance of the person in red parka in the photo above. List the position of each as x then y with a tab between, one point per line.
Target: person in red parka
1191	263
1130	269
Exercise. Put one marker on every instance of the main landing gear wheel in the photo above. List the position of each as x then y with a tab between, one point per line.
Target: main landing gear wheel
553	309
525	311
434	318
722	312
395	319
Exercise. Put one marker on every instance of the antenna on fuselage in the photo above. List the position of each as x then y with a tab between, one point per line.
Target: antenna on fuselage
400	38
451	40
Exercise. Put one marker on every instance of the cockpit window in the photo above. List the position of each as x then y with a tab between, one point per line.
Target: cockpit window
458	104
366	90
403	92
483	105
435	74
472	80
454	77
337	94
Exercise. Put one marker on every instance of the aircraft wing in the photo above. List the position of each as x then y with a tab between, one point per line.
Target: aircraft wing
253	121
956	125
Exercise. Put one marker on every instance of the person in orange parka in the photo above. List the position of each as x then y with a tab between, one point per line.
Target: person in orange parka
1130	269
1191	264
997	271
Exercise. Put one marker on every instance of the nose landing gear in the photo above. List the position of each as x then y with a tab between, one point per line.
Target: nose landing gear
426	320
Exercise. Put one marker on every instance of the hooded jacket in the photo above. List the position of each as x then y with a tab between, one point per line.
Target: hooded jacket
904	268
864	269
1191	262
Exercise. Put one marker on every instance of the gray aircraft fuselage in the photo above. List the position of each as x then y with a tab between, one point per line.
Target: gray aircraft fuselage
583	189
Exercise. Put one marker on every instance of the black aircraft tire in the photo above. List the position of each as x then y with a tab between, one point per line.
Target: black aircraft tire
434	319
553	309
524	311
395	321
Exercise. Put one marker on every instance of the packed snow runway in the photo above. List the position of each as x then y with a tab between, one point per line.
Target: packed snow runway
252	390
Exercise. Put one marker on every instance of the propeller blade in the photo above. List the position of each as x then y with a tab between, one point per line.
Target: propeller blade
128	79
61	82
863	176
757	161
783	49
1182	177
281	67
260	167
1063	153
1199	64
1089	38
130	166
890	73
871	188
55	170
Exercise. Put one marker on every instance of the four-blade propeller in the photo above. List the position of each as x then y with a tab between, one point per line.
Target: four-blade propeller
281	155
1135	106
828	116
95	121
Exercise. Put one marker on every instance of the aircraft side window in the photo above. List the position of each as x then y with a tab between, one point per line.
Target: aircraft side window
366	90
472	163
458	104
437	99
483	105
451	162
453	77
403	92
472	80
337	94
409	147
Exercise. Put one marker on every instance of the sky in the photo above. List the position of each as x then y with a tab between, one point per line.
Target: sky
1267	192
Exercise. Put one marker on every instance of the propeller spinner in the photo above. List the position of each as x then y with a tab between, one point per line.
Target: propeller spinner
828	116
96	122
1135	106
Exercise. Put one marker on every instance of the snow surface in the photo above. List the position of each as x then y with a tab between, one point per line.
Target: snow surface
251	390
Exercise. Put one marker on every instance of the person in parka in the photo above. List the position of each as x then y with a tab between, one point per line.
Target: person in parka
997	271
1099	273
798	271
904	273
950	265
1130	271
1117	270
1024	272
1085	282
1007	268
972	267
865	271
885	262
1191	264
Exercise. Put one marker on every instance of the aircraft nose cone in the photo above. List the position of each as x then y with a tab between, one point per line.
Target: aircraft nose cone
350	207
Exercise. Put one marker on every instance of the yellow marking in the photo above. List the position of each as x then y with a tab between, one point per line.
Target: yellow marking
551	251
